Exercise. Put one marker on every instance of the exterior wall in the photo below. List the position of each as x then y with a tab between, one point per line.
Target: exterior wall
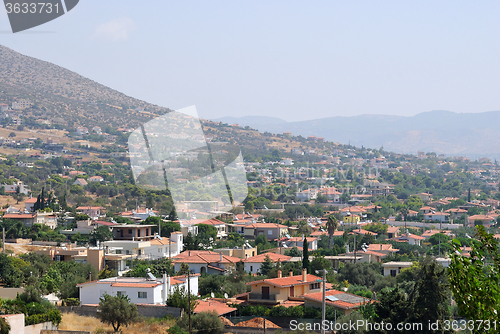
35	329
252	267
157	311
387	269
90	294
133	247
283	294
16	322
96	258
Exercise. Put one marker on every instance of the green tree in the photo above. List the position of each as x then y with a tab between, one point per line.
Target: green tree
4	326
179	298
331	225
117	311
305	255
101	234
202	323
475	280
190	242
206	235
266	266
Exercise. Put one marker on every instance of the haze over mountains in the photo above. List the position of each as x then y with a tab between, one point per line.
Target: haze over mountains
469	134
67	98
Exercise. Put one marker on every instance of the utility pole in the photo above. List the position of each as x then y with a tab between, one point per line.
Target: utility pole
354	248
189	302
323	311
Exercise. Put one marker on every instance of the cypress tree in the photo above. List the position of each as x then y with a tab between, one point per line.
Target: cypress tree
305	255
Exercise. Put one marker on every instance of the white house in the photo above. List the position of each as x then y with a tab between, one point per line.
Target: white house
12	188
140	290
393	268
157	248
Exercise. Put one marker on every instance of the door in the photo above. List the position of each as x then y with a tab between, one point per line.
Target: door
292	291
265	292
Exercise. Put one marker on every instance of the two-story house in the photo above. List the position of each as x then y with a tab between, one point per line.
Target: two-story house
140	290
273	291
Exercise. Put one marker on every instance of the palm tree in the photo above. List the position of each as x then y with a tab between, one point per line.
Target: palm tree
331	225
404	213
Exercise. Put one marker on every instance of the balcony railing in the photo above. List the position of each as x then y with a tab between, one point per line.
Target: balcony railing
260	296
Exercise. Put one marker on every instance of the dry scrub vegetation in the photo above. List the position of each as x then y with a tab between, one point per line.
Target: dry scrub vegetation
74	322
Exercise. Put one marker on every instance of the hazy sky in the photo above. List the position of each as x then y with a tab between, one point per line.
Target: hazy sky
295	60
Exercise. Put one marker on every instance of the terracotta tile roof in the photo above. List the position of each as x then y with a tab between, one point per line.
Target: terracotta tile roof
202	221
19	215
374	253
299	239
89	208
341	297
265	225
189	253
392	229
292	303
135	285
273	256
208	258
213	305
380	247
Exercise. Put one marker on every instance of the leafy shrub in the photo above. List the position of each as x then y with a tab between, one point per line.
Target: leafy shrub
202	323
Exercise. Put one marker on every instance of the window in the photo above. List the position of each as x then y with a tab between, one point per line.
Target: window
129	231
121	293
138	233
127	252
142	294
251	268
147	232
393	272
118	251
270	232
314	286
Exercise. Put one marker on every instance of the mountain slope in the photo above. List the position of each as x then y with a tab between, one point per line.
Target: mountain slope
67	95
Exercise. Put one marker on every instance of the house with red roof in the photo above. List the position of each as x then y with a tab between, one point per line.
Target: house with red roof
274	291
140	290
210	305
270	230
312	242
412	239
345	303
206	262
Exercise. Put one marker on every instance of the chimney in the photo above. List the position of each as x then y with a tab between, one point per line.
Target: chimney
279	274
380	246
246	256
189	253
165	287
291	273
221	256
304	275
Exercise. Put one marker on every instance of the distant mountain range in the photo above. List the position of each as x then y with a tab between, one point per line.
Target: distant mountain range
468	134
